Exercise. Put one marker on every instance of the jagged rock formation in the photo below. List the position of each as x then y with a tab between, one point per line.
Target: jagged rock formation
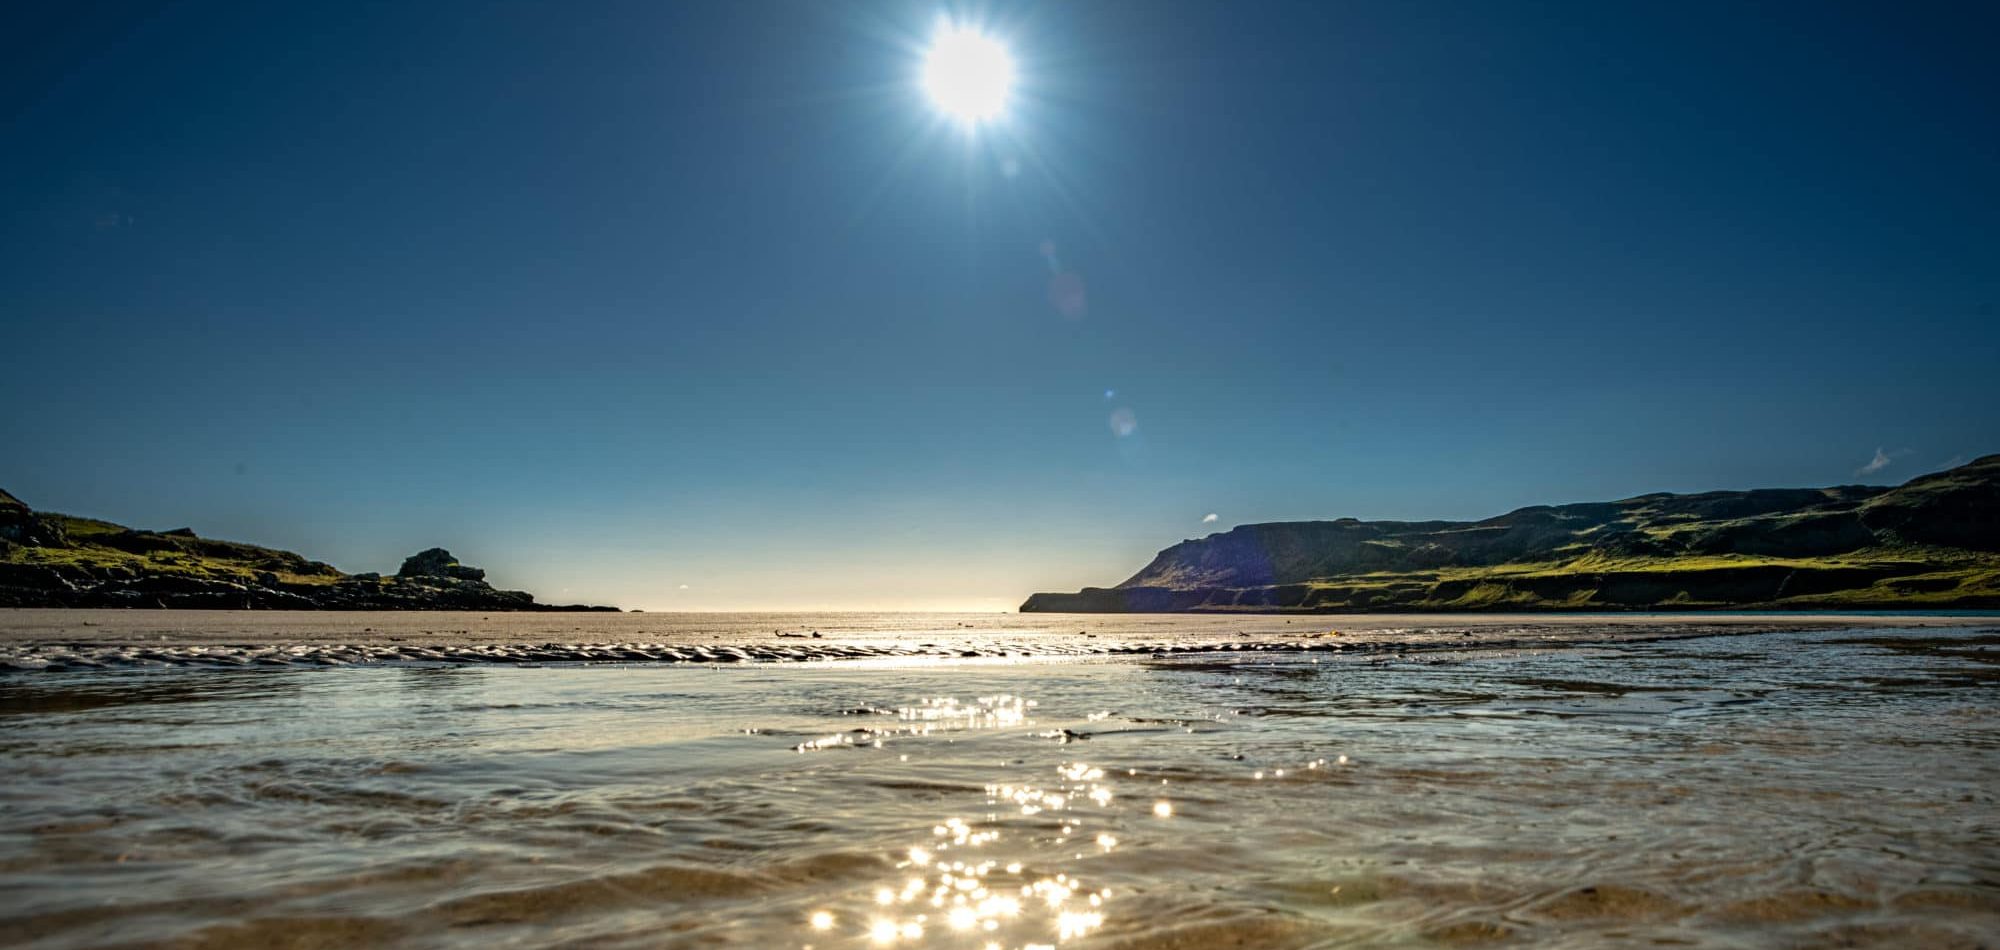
1933	542
52	560
21	526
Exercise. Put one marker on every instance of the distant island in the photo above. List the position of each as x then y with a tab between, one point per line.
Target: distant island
1932	543
56	560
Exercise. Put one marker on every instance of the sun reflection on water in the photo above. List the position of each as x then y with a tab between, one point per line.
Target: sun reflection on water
932	715
1006	878
1004	881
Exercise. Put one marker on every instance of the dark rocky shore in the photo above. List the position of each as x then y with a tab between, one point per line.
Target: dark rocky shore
54	560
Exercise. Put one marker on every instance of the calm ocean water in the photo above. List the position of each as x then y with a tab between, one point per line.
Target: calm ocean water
1832	788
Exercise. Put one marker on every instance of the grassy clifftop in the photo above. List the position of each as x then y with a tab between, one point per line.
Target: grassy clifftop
1933	542
103	546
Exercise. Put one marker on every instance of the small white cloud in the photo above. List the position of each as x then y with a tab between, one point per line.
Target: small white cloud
1208	518
684	587
1881	461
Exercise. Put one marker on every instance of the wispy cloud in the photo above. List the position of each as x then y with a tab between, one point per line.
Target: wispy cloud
1881	461
1208	518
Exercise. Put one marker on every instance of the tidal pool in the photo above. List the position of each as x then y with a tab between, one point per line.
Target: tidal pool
1831	788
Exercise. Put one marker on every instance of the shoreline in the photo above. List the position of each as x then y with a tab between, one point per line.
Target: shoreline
80	640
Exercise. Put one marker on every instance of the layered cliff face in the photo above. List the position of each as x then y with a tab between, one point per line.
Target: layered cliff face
52	560
1931	543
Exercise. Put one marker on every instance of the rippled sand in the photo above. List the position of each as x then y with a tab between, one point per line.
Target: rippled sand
1816	788
67	640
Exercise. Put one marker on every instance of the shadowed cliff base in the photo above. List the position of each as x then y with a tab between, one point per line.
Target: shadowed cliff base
1932	543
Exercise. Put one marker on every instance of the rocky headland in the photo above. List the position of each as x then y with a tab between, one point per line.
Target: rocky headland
56	560
1931	543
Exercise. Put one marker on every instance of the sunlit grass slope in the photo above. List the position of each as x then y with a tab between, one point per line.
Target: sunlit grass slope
1931	543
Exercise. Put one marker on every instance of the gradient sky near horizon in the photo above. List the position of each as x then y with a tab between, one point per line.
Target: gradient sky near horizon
702	305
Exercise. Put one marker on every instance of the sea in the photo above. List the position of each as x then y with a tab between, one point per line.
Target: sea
983	781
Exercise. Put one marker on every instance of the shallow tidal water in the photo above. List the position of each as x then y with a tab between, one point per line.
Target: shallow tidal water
1808	789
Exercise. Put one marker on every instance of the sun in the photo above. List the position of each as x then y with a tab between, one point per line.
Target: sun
968	75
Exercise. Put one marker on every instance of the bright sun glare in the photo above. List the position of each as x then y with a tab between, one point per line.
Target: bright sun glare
968	74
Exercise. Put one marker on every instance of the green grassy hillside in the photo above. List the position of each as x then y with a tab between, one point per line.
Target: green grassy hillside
105	548
1931	543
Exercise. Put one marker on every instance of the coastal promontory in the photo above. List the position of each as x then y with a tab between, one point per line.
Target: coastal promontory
1931	543
56	560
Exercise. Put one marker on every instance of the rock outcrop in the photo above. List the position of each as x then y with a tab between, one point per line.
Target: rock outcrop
436	563
21	526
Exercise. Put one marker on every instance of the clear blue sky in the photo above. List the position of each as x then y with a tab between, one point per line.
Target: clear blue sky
613	298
